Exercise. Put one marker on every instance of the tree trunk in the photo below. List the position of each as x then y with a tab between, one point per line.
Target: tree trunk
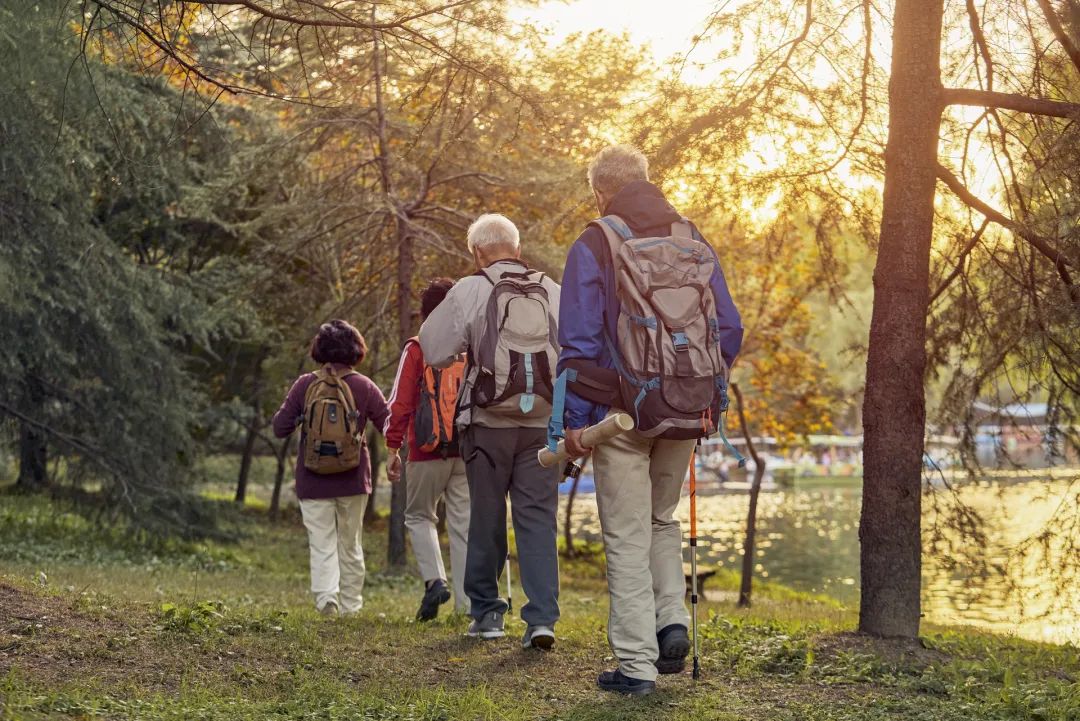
747	581
894	408
33	445
33	456
279	478
395	552
376	464
252	435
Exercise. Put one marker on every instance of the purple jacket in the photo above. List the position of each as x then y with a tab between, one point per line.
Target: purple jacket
370	404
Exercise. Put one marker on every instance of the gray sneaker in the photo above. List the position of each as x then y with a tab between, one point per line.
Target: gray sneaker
541	637
490	626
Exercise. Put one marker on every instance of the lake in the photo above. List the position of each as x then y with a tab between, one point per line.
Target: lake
808	539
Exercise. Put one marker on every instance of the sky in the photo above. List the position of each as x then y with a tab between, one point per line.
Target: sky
667	26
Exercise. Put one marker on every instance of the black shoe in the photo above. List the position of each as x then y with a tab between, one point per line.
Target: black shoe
616	682
674	646
436	595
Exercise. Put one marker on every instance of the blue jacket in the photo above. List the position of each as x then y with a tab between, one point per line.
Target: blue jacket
589	305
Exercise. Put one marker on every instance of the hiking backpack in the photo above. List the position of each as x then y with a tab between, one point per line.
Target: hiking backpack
332	438
672	376
515	361
433	422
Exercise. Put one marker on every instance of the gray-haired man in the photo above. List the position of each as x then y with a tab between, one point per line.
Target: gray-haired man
505	318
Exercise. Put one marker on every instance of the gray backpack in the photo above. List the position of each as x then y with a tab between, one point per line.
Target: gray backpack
667	349
515	362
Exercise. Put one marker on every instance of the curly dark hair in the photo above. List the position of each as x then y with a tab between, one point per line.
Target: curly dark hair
433	295
338	342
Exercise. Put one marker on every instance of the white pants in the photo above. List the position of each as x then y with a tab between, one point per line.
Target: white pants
334	526
426	482
638	485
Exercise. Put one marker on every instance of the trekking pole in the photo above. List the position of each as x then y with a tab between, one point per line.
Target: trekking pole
693	560
509	588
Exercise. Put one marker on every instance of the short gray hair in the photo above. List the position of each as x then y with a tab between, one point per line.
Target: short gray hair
493	230
615	167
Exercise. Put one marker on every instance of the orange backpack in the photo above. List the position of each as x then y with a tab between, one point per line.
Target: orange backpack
433	423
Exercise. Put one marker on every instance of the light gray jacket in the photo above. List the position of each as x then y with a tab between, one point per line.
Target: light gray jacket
456	325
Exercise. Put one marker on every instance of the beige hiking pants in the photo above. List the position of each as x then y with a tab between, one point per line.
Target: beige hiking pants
426	482
334	526
638	484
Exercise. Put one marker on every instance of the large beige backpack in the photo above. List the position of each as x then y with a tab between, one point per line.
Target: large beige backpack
667	349
332	432
513	368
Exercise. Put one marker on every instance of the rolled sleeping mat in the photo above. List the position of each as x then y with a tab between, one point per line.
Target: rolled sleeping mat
592	436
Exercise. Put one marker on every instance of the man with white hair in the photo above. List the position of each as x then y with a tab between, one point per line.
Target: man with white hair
650	329
504	318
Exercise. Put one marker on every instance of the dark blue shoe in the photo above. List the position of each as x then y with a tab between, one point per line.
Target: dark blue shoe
616	682
436	595
674	645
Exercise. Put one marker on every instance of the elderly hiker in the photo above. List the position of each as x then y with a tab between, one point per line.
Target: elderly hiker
504	319
422	406
333	474
648	327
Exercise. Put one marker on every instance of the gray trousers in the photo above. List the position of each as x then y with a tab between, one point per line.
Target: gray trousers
498	462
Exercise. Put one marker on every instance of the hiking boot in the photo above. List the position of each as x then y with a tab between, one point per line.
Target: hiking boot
541	637
490	626
436	595
330	608
616	682
674	646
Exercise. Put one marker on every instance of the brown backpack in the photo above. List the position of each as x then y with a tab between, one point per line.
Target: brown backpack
332	431
667	350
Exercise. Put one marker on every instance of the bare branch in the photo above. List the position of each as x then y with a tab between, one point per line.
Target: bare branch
1009	101
1054	22
1040	243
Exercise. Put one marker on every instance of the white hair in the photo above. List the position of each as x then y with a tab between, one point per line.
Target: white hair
615	167
493	230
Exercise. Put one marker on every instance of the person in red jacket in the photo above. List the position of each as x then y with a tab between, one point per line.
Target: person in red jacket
431	474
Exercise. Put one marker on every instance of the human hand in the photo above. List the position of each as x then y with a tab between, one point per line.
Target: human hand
574	446
393	466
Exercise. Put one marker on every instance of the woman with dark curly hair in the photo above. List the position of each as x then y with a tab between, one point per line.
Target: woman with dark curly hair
332	504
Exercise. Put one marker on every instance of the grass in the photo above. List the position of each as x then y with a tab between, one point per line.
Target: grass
94	624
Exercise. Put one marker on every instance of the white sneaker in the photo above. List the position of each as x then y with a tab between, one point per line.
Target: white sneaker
541	637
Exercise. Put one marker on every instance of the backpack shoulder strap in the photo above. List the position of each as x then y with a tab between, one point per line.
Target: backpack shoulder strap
616	232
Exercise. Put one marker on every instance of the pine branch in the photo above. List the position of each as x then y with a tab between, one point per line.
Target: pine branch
1009	101
1054	22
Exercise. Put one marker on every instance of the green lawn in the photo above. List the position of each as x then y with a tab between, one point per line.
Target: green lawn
98	625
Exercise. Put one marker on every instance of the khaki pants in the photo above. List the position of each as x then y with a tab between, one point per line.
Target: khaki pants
426	482
638	484
334	526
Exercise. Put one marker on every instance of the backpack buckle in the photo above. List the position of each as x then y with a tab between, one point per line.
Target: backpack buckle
681	342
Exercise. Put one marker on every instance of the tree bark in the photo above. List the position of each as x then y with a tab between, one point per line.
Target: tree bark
376	464
279	478
747	581
252	434
33	445
894	408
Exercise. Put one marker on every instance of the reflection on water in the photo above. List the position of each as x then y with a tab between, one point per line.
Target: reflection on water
808	539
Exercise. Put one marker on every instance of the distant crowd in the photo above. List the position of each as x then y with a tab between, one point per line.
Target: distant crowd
506	364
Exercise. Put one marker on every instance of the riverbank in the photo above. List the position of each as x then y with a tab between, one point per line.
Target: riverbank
94	625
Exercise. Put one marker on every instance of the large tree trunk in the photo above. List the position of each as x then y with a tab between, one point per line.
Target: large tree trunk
746	583
894	409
